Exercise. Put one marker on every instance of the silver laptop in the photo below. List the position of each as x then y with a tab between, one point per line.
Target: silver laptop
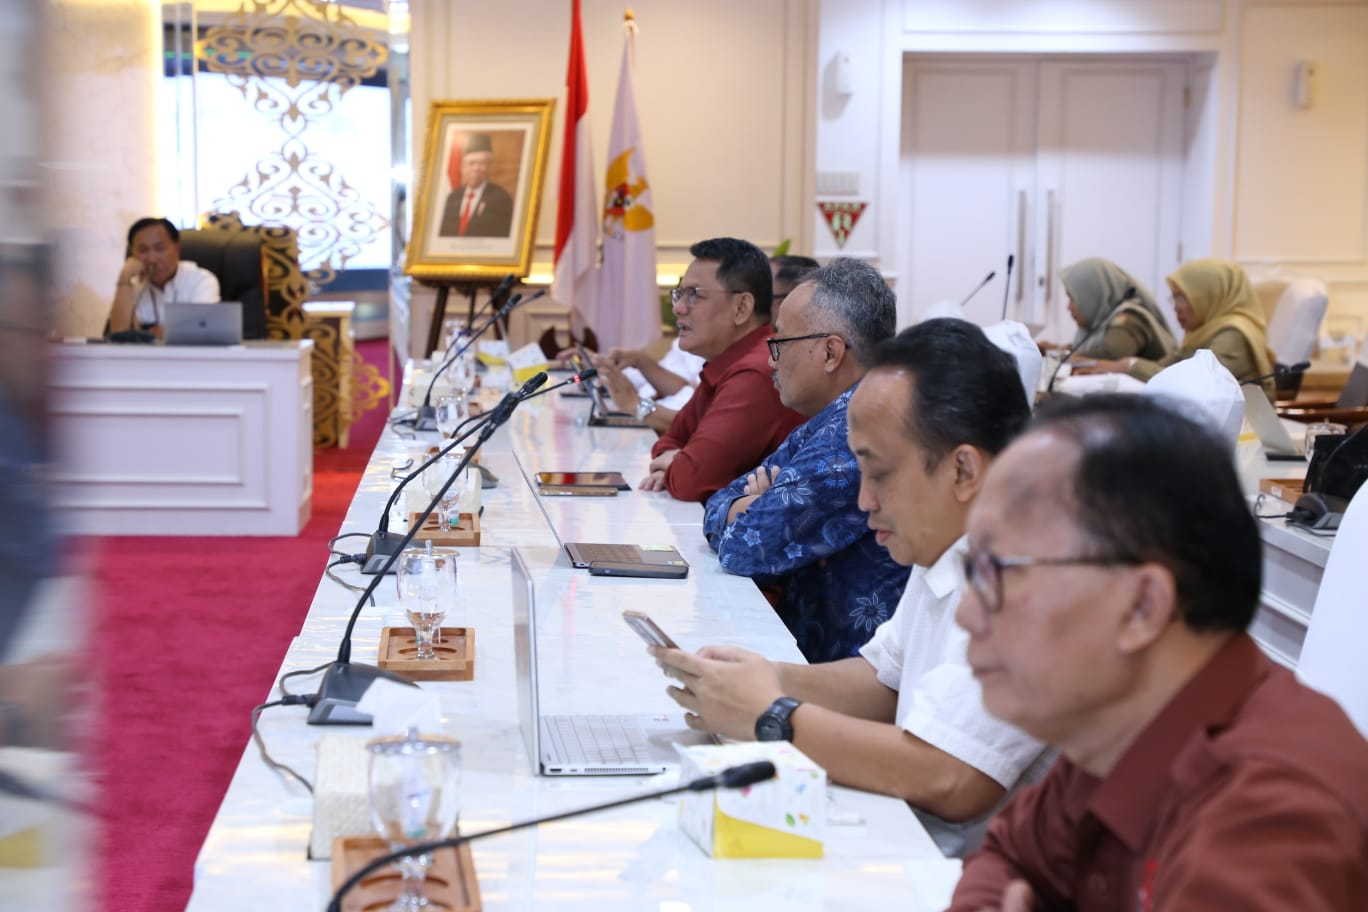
203	324
582	554
600	415
1277	442
582	745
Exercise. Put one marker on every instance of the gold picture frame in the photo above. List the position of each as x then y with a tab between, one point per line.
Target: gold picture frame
475	233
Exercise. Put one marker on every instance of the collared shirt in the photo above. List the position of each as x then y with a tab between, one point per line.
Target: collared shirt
678	362
807	533
920	653
190	285
1248	791
733	420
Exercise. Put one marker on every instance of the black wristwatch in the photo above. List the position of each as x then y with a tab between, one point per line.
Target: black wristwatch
774	724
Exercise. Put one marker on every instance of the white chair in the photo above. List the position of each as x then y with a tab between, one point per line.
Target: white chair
1015	339
1332	655
1203	382
1296	320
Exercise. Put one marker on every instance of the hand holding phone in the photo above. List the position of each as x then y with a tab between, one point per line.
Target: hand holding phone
648	630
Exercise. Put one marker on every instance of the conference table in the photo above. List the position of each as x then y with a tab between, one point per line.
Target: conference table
634	857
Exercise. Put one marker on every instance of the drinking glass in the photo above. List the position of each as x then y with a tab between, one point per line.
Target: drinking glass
436	475
427	587
451	411
452	330
463	371
1319	429
414	797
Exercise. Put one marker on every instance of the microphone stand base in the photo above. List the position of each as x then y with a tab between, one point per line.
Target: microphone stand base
378	552
341	689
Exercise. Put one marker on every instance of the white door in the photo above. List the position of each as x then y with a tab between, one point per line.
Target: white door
1049	161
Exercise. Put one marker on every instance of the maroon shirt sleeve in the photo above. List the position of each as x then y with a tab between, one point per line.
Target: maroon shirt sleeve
735	434
681	427
1031	839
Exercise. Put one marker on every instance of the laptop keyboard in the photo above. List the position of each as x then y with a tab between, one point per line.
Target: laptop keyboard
595	740
620	554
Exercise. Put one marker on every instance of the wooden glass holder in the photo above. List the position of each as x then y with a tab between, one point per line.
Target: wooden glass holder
465	534
451	883
455	654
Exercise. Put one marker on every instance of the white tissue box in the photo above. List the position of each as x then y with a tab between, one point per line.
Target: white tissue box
341	793
782	818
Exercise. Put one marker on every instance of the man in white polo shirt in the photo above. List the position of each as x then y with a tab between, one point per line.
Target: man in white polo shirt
905	717
153	276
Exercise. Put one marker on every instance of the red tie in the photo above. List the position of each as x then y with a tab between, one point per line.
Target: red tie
465	210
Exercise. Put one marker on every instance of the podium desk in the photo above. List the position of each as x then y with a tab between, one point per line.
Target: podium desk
182	440
635	857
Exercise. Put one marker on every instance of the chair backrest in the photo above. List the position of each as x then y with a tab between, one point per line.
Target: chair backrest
1296	320
1332	654
236	258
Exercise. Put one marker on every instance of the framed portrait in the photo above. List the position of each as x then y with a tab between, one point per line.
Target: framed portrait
480	189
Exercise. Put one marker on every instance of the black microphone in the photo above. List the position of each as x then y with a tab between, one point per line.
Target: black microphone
1087	336
1007	285
1282	370
345	682
581	377
497	296
734	777
979	287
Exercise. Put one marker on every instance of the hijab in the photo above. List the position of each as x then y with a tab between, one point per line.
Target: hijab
1099	288
1222	298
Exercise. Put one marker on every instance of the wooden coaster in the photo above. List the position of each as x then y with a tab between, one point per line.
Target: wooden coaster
465	534
1285	489
432	451
451	883
455	654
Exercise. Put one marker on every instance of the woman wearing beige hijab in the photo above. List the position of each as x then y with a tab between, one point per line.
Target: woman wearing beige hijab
1117	316
1218	310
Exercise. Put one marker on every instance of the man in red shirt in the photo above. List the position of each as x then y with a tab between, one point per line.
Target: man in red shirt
1113	566
735	419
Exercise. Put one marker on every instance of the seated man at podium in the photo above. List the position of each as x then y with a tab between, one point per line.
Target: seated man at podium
734	419
1113	567
793	525
904	717
153	276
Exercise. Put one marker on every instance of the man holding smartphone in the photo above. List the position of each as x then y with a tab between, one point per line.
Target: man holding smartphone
905	717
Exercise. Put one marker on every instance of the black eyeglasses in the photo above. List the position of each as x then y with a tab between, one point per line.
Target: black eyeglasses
775	341
982	570
689	294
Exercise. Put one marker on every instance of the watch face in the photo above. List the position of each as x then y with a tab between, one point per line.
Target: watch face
768	728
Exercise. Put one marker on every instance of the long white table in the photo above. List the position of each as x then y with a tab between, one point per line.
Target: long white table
632	858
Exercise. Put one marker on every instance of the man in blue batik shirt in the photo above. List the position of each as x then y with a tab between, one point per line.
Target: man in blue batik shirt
793	524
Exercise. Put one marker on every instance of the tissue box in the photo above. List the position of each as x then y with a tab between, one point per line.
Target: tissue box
341	793
526	362
782	818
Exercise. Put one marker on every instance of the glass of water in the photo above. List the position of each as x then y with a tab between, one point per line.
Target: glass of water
451	411
427	588
414	797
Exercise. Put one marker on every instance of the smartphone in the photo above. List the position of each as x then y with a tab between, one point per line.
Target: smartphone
585	479
648	630
547	490
644	571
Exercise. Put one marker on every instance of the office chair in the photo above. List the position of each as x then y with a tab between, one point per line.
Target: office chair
237	260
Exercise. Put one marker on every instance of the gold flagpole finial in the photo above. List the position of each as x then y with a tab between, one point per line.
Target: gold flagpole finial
629	16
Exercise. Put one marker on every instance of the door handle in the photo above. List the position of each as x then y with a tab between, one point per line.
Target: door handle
1021	248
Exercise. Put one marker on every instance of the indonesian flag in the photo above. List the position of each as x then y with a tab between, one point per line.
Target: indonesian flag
629	302
576	211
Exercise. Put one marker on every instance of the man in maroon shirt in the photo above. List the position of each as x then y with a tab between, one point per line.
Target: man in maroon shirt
1113	566
734	419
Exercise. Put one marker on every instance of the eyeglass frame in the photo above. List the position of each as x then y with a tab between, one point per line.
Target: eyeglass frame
679	291
975	581
775	341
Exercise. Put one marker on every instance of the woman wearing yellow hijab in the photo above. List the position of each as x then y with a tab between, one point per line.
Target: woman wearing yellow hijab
1218	310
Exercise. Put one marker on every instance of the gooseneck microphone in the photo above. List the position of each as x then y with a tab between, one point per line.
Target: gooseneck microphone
499	294
344	682
734	777
979	287
582	377
1282	370
1087	337
1007	284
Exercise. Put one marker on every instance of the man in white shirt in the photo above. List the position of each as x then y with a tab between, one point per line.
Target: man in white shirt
154	276
905	717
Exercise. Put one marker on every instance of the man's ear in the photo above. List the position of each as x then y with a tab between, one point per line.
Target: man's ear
834	353
744	307
1153	606
969	465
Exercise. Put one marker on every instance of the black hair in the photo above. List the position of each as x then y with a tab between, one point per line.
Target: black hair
1153	485
792	268
965	389
854	296
741	266
171	230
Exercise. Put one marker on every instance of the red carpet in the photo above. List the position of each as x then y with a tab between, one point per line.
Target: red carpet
191	632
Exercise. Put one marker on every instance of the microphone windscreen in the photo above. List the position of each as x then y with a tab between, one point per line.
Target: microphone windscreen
505	286
746	774
589	374
531	386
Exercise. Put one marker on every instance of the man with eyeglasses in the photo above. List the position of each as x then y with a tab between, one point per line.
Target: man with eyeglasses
734	419
1113	567
904	717
793	525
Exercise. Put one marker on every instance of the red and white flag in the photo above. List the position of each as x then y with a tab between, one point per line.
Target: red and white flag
577	210
629	301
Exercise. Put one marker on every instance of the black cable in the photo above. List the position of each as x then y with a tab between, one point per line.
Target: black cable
302	700
1272	515
332	542
347	559
295	674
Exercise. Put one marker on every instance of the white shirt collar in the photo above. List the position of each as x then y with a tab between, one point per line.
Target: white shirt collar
942	577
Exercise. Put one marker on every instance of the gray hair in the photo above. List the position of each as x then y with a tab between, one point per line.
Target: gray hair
850	297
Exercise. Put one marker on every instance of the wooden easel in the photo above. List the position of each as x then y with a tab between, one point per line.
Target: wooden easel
439	308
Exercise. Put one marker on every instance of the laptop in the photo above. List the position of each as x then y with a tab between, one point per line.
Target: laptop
583	745
582	554
600	415
1277	442
203	324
